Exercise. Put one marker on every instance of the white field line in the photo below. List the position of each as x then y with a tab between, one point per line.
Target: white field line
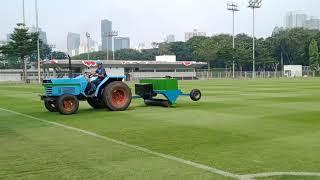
271	174
169	157
165	156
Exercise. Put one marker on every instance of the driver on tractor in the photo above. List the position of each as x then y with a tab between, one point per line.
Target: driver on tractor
100	74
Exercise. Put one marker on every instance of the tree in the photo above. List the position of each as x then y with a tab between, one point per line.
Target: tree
181	50
58	55
314	55
207	51
22	44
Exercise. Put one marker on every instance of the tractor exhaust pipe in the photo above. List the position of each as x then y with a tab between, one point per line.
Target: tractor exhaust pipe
70	67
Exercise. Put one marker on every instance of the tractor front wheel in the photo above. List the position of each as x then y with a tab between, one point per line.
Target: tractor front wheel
67	104
50	105
117	96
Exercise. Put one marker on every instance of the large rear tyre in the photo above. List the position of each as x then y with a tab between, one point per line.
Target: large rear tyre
195	95
96	103
50	105
117	96
67	104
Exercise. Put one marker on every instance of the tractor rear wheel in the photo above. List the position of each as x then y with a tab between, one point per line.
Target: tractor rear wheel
96	103
67	104
117	96
50	105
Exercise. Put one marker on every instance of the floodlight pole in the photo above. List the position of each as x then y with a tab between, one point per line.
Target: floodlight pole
112	34
232	6
23	13
253	46
38	41
88	48
254	4
107	35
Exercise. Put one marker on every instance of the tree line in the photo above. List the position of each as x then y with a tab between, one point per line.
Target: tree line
296	46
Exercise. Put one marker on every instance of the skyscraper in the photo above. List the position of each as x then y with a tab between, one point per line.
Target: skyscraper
106	28
121	43
295	19
189	35
312	23
42	34
73	43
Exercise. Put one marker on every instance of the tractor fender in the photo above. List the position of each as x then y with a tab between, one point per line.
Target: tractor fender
107	80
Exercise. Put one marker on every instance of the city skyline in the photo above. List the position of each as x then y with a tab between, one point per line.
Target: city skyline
145	21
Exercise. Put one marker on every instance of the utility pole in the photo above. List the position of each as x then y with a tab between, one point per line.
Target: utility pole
254	4
88	45
112	34
38	41
232	6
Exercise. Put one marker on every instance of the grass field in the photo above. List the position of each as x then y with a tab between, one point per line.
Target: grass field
241	127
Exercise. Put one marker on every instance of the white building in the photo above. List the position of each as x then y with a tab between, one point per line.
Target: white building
292	71
195	33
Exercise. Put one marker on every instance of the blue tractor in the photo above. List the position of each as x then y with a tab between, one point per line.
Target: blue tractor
63	94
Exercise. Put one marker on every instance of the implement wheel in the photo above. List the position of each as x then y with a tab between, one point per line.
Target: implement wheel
117	96
67	104
96	103
195	94
50	105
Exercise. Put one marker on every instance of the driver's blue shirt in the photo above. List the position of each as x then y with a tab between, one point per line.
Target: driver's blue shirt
101	71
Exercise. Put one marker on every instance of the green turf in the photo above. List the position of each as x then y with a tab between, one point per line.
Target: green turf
243	127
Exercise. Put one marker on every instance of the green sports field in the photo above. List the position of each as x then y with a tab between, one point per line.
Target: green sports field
240	129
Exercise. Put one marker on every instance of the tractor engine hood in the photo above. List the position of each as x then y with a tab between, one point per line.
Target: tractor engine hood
77	81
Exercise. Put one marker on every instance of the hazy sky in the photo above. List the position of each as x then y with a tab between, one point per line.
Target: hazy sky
146	20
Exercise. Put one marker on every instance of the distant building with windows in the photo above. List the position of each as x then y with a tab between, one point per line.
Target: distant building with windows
195	33
121	43
298	19
312	23
106	28
73	43
170	38
9	37
295	19
2	43
42	34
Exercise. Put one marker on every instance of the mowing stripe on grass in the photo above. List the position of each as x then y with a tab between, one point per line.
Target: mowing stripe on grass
169	157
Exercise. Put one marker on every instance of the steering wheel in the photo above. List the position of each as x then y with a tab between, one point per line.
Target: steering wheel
88	74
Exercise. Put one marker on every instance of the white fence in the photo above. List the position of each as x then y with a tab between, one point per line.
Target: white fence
16	75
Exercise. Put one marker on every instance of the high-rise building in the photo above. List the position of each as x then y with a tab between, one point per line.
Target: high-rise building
106	29
277	30
9	37
2	43
170	38
42	34
295	19
121	43
312	23
195	33
73	44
